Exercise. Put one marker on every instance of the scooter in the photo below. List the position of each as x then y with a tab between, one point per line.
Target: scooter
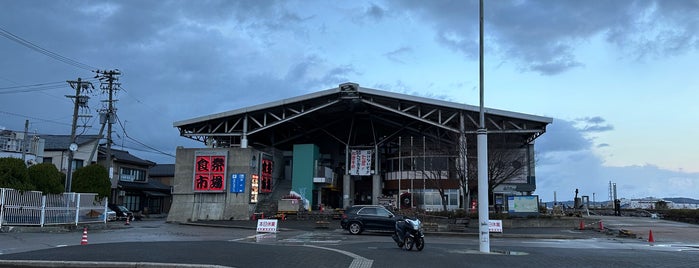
408	234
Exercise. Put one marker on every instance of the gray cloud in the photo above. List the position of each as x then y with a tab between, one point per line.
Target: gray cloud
375	12
398	54
540	36
563	136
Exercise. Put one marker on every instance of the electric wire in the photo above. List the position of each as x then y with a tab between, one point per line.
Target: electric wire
141	143
44	51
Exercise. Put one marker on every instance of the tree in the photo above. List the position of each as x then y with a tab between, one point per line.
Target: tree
92	179
661	205
504	164
13	174
47	178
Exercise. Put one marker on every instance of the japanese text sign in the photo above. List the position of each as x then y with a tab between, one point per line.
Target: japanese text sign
266	176
360	162
238	183
210	171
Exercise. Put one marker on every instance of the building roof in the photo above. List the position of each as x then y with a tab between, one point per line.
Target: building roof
151	185
123	156
353	115
162	170
61	142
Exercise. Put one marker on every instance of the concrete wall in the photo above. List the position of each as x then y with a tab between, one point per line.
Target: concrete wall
190	206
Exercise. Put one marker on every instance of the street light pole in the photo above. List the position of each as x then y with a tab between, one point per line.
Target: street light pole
482	144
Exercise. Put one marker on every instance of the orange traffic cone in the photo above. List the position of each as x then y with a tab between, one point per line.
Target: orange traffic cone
582	225
601	226
650	237
127	221
84	240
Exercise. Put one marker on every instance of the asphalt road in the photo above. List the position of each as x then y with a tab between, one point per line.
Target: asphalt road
148	242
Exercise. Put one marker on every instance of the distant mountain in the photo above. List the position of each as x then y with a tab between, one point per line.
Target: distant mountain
682	200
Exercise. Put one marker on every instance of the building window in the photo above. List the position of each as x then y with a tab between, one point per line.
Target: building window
130	174
77	163
48	160
132	202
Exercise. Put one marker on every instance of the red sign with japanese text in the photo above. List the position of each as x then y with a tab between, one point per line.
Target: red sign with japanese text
210	172
266	176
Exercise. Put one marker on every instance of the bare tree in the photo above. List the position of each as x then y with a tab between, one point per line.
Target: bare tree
505	164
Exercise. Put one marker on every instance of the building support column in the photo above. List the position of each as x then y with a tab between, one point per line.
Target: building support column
375	189
346	191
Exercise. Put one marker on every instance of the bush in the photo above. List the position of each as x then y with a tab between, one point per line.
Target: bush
92	179
47	178
14	174
683	215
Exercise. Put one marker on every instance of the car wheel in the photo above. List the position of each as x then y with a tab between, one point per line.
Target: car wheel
355	228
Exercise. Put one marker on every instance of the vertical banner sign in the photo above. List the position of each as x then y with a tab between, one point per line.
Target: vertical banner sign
237	183
360	162
210	171
254	187
266	176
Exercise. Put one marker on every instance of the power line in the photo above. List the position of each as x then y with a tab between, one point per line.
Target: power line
44	51
138	142
35	118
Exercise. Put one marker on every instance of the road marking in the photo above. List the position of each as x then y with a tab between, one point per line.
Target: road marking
357	262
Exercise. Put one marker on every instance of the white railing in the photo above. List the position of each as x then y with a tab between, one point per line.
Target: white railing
32	208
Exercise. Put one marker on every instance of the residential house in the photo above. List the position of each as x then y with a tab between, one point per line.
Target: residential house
56	151
131	185
163	174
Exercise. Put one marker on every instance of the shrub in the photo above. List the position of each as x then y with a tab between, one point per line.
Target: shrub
14	174
47	178
92	179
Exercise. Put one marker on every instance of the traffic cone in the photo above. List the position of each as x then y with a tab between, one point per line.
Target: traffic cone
582	225
127	221
601	226
84	240
650	237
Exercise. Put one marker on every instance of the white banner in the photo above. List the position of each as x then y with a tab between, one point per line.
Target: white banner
360	162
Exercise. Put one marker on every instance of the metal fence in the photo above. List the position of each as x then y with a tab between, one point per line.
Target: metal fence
32	208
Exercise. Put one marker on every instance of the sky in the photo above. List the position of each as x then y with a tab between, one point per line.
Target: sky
618	77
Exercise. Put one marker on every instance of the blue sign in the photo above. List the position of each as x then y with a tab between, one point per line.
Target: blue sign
238	183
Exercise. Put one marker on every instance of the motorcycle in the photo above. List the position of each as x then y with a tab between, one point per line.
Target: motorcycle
409	233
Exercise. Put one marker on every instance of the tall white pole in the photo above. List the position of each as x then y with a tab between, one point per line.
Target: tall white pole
412	168
400	168
482	143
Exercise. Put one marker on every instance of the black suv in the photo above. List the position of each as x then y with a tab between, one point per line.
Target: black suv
359	218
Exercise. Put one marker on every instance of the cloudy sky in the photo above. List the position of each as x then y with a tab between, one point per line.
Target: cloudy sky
618	77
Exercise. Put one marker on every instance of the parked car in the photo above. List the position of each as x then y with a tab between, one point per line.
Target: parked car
122	213
111	215
359	218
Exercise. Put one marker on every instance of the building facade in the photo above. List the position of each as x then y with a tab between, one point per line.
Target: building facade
349	145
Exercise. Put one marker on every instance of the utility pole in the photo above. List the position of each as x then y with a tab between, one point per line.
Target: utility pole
24	141
79	101
108	82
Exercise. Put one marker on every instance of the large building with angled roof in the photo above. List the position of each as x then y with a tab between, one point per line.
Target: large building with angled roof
348	145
